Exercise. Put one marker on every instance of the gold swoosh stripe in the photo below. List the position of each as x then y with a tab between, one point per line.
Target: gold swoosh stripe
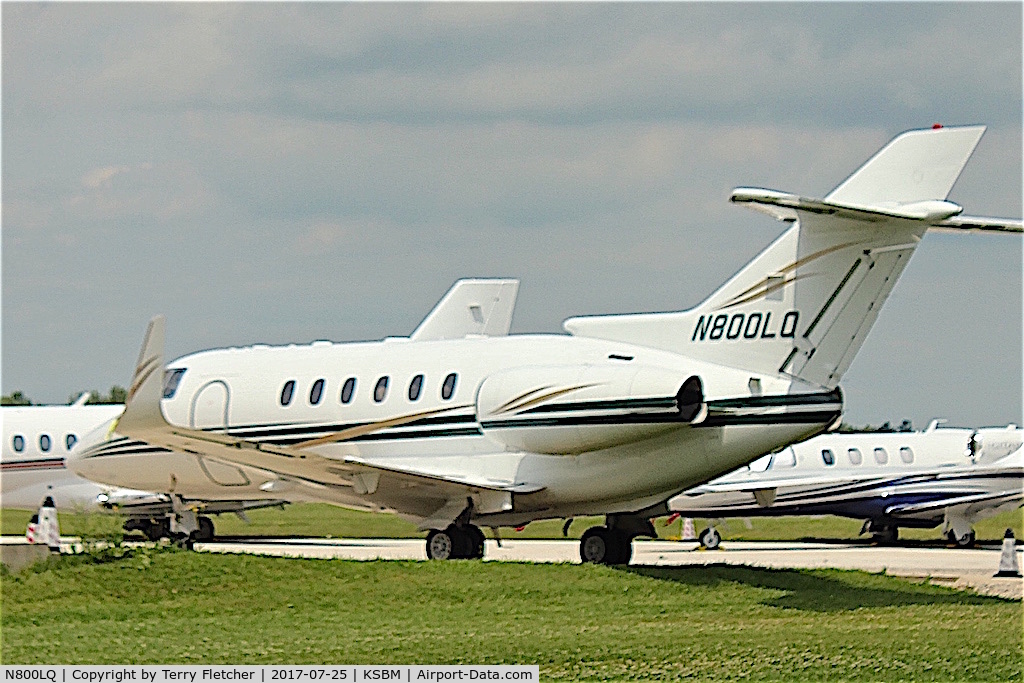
507	405
791	267
353	432
550	395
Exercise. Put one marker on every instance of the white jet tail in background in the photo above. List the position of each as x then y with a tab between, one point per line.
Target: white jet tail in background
803	307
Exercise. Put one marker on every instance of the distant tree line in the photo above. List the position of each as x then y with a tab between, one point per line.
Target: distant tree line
116	395
905	426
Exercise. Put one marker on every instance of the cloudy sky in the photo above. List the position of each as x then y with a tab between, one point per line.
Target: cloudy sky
289	172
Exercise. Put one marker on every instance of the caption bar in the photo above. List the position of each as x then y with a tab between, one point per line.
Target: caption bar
267	674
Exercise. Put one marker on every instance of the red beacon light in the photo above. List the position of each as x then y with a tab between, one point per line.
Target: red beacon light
936	126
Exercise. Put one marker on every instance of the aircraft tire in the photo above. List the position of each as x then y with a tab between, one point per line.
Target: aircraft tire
476	540
965	541
154	531
710	538
601	545
886	535
205	532
452	543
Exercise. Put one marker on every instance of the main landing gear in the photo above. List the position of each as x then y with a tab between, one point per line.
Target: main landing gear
613	543
160	527
456	542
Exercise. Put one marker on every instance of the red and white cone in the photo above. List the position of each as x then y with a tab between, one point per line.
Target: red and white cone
689	534
30	532
1008	560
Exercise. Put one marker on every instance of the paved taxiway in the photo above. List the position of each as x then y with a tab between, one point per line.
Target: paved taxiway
961	568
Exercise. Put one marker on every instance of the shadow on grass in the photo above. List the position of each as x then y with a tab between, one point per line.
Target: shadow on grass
816	591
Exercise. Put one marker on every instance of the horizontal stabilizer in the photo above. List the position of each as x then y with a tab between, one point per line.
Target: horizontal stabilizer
785	207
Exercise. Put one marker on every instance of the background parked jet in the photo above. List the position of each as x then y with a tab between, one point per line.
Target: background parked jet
462	426
37	441
952	477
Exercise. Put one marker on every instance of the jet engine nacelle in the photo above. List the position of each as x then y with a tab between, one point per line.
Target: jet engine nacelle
578	408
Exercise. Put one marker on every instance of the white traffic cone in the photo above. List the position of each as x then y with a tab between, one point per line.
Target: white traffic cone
1008	561
688	532
31	531
48	530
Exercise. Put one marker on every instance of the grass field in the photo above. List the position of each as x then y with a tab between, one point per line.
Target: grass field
575	621
327	520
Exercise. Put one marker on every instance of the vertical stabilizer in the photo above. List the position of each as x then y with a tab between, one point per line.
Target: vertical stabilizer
803	307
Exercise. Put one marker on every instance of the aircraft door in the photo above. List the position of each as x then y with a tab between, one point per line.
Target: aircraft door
210	406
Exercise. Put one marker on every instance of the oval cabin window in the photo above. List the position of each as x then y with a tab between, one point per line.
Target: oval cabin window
448	388
855	457
348	390
69	441
44	443
316	392
828	457
287	392
18	442
906	455
415	388
380	392
881	456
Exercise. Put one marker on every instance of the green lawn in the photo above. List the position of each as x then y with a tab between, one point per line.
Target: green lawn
575	621
321	520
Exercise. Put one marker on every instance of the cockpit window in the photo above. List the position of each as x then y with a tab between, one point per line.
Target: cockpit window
172	378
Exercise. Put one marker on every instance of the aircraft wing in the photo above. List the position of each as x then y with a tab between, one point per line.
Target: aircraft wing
143	420
482	307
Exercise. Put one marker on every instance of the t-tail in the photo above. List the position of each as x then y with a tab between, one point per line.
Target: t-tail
803	307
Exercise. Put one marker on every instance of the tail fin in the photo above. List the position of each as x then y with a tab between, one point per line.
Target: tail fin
803	307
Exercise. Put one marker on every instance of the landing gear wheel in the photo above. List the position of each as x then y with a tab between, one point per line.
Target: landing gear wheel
476	541
601	545
205	530
710	538
455	543
885	535
154	531
964	541
441	545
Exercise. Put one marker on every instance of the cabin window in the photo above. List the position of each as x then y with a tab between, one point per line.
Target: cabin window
287	392
415	387
172	378
854	455
69	441
828	456
19	443
44	443
348	390
881	456
448	388
380	391
906	455
316	392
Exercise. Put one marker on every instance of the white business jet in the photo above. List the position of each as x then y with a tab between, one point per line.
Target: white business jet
947	476
461	425
37	442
